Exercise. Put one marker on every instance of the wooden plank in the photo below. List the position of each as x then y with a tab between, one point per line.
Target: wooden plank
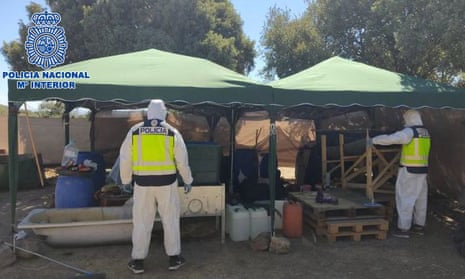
369	168
355	164
346	158
342	158
389	150
324	159
380	156
384	174
360	171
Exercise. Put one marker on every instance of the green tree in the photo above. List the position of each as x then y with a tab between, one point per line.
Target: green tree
72	19
423	38
14	51
204	28
50	109
291	45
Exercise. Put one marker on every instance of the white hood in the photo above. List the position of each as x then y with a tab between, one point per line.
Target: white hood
412	118
156	110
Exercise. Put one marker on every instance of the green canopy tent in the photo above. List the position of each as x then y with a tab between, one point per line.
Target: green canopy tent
131	81
340	82
344	85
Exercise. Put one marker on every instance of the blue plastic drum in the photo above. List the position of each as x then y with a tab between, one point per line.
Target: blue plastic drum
74	191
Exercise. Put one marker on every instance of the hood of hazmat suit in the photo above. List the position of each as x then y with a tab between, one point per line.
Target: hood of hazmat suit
412	118
156	110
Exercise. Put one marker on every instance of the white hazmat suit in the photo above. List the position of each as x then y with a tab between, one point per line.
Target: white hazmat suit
149	199
411	188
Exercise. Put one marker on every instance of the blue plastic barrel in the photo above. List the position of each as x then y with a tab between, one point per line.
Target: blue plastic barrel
99	176
74	191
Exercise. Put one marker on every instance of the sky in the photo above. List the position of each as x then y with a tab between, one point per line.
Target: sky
252	12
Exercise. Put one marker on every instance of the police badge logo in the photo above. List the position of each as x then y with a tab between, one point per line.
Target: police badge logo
154	122
46	42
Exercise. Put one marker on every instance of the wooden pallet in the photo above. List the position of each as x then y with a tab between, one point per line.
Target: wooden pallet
356	229
381	235
317	215
358	226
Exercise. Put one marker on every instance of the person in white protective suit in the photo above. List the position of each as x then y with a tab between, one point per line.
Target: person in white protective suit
149	157
411	185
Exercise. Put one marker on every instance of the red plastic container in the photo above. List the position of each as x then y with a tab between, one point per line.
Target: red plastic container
292	219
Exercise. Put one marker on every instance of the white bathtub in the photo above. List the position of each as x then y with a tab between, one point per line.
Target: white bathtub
81	226
108	225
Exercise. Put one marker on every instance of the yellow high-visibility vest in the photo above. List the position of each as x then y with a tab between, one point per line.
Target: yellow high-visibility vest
153	151
416	153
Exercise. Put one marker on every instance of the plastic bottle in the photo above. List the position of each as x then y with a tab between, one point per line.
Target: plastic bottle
70	154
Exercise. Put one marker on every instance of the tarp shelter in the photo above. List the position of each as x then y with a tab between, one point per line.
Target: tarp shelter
130	81
344	85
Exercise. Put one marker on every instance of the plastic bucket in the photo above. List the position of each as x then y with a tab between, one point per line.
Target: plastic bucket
292	219
74	191
99	176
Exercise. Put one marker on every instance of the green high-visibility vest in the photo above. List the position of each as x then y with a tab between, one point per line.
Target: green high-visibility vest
416	153
153	151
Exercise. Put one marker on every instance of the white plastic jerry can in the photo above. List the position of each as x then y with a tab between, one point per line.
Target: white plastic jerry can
229	214
278	217
259	221
239	225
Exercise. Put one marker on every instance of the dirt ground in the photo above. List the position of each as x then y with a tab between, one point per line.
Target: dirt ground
430	256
